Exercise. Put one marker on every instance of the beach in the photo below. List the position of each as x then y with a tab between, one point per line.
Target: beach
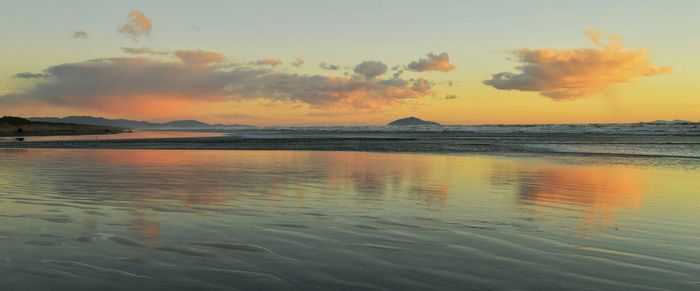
301	220
349	145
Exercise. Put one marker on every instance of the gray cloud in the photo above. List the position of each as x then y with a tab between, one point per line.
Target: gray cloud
433	62
451	96
143	51
101	83
80	34
330	67
266	62
421	85
298	62
371	69
88	83
27	75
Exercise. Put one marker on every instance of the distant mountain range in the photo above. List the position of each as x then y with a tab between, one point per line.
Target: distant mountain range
412	121
195	124
135	124
677	121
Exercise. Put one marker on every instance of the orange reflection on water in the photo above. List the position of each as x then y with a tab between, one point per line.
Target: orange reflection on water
599	193
145	227
150	158
159	164
374	175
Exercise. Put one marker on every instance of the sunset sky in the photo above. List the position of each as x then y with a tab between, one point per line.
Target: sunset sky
352	62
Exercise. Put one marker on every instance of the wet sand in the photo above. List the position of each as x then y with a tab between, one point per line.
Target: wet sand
299	220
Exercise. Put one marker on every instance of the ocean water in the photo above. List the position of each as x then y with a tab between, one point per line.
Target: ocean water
642	128
675	142
84	219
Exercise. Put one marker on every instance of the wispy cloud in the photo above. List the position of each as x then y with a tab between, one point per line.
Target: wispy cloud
266	62
137	25
562	74
27	75
298	62
433	62
144	51
330	67
80	34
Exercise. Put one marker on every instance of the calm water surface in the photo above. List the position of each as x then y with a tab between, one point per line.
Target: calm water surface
285	220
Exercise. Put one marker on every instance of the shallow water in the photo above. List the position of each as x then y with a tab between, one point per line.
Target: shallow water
681	146
294	220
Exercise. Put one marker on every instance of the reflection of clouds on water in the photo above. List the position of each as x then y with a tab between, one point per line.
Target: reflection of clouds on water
213	178
145	227
146	182
598	193
431	194
162	214
90	224
373	176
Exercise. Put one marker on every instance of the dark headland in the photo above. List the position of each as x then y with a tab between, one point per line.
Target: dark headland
16	126
411	121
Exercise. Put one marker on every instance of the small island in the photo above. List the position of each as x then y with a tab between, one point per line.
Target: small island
412	121
19	127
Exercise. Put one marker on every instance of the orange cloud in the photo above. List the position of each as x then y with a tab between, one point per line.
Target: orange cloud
434	62
199	58
137	25
576	73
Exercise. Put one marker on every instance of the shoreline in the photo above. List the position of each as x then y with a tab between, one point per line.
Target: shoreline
349	144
